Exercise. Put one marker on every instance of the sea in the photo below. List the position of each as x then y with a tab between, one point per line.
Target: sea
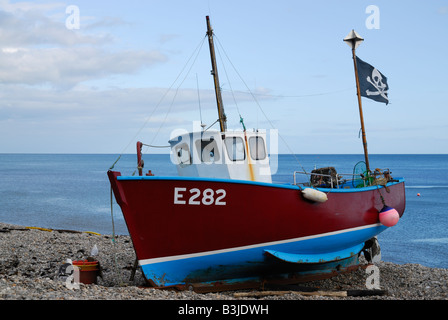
72	192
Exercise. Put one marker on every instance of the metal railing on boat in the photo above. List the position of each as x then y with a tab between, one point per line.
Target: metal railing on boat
342	180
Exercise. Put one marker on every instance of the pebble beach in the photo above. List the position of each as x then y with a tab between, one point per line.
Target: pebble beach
30	260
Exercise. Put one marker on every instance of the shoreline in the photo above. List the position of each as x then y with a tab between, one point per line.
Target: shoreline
30	259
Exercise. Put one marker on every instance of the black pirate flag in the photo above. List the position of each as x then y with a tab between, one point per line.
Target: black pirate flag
372	83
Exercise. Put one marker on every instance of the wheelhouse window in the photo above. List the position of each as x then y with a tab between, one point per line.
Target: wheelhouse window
183	154
208	150
257	148
235	148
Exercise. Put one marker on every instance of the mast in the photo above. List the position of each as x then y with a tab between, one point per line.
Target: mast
354	40
222	116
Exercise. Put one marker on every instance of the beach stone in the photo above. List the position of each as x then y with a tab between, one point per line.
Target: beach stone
30	260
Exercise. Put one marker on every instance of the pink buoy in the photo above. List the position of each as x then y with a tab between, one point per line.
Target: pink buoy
389	216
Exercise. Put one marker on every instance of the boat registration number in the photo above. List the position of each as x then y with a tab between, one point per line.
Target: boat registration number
194	196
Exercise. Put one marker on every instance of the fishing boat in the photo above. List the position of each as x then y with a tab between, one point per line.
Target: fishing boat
223	223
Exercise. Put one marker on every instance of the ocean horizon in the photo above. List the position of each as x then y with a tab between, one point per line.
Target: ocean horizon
72	191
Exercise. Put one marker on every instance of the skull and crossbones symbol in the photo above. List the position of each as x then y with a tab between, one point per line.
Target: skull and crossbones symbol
377	81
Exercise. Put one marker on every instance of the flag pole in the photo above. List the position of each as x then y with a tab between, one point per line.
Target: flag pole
363	130
354	40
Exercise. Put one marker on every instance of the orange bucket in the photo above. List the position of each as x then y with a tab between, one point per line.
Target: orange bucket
88	271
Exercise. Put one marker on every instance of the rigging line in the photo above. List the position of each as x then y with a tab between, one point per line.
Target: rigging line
160	101
199	98
177	90
212	125
259	106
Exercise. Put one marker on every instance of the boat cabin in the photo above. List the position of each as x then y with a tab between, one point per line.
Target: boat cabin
239	155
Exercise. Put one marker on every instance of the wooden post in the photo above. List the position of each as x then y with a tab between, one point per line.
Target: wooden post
139	158
134	269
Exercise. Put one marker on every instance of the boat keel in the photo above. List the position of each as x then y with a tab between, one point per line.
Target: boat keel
295	274
316	257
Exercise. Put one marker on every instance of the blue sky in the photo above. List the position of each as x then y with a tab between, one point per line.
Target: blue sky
95	89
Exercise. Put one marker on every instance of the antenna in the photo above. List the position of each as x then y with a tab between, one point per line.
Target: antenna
199	101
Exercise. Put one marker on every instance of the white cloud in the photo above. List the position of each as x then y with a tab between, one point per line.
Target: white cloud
35	28
25	6
443	10
20	102
47	79
47	120
65	68
164	38
104	22
36	48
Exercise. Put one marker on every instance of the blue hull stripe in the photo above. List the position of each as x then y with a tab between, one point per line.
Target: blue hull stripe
265	184
176	269
261	245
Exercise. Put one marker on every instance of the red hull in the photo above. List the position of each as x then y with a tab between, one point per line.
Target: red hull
244	214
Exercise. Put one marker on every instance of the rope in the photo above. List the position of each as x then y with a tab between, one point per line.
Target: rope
152	146
212	124
378	186
231	89
242	122
149	146
199	98
113	237
161	99
198	49
57	230
381	196
296	96
113	165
